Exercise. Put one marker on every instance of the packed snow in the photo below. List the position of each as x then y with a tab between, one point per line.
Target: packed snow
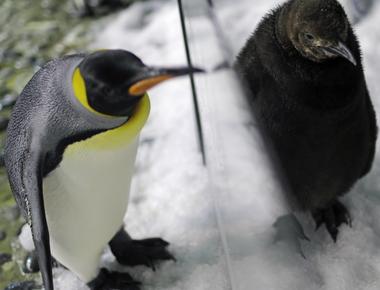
219	219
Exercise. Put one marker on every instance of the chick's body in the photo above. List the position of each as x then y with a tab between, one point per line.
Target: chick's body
317	113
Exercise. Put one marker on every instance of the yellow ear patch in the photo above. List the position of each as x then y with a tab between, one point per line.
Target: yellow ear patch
142	86
80	93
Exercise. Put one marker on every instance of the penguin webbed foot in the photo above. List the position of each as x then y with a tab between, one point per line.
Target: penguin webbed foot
107	280
333	217
144	252
129	252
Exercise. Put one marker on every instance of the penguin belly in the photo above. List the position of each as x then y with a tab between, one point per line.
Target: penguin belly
86	199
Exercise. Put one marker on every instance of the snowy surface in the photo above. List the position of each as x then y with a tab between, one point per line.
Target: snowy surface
219	219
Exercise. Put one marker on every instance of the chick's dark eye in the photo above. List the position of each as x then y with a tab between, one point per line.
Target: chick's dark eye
308	36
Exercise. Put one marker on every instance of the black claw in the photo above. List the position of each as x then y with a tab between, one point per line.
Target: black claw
151	265
318	218
332	217
333	231
343	216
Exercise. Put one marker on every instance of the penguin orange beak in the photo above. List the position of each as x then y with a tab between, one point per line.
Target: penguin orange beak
154	76
340	50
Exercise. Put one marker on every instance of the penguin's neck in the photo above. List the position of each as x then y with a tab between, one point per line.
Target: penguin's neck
281	26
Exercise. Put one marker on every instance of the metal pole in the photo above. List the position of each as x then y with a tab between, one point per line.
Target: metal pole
193	89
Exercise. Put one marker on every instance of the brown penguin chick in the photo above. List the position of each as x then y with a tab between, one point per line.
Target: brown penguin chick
304	69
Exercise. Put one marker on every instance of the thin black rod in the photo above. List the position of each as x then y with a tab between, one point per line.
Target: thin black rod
192	82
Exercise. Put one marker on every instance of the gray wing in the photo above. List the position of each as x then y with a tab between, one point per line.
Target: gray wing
24	161
26	149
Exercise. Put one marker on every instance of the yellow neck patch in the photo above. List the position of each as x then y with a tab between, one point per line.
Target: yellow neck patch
80	93
119	137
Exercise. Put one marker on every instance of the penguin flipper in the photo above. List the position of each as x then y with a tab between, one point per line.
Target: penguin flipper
25	176
107	280
32	179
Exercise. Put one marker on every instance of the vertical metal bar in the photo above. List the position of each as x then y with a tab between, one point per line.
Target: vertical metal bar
193	89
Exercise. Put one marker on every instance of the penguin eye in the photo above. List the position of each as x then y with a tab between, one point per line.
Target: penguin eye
308	36
105	90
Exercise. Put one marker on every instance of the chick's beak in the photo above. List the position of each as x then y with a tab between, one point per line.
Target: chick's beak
340	50
152	76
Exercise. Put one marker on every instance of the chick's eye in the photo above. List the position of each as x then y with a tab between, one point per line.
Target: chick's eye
308	36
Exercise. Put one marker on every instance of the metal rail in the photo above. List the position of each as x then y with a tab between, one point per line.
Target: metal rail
192	82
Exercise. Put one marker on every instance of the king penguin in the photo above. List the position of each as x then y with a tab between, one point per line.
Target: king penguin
70	151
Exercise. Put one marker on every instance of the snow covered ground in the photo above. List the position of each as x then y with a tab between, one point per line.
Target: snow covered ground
219	219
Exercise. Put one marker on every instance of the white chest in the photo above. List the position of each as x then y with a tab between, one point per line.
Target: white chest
86	199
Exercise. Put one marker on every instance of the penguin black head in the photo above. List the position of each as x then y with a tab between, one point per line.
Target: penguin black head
115	80
317	29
